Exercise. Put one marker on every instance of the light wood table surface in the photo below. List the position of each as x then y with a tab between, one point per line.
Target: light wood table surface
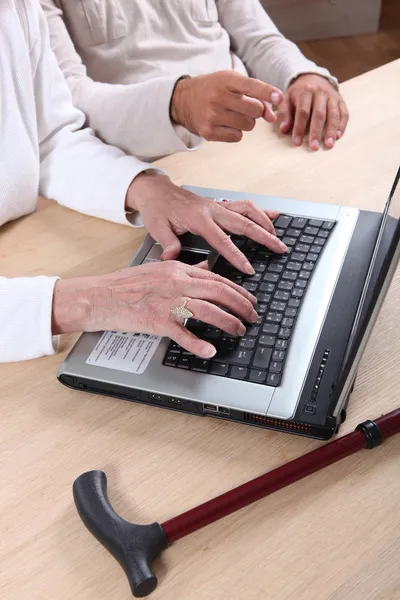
333	536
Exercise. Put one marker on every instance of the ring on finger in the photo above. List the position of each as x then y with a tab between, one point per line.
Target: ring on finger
182	312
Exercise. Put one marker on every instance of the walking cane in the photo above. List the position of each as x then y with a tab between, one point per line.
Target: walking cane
135	546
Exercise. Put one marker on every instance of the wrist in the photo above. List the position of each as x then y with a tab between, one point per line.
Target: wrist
72	307
179	102
140	189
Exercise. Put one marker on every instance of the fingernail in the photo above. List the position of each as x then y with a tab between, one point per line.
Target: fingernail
253	299
283	126
275	97
254	317
248	268
297	140
273	231
212	352
315	145
242	330
339	133
282	246
330	142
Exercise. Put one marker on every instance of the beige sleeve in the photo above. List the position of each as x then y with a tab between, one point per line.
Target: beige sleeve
135	117
267	54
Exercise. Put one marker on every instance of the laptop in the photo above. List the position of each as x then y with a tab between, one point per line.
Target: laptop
294	369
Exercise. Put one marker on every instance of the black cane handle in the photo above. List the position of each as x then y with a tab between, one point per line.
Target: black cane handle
133	546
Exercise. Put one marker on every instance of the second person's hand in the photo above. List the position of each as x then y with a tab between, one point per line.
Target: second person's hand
168	211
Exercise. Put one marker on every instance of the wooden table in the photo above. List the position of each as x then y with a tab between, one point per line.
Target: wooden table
335	535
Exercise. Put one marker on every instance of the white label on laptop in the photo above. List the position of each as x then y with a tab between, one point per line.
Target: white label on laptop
129	352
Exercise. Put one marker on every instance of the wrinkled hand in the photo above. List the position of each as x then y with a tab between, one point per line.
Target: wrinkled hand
313	101
168	211
220	106
139	299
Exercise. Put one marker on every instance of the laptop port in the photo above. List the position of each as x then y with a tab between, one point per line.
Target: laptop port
154	397
210	407
174	401
224	411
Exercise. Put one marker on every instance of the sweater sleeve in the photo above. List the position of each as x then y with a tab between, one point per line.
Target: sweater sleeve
76	169
25	317
134	117
267	54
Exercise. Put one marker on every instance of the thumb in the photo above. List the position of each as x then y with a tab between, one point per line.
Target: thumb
169	243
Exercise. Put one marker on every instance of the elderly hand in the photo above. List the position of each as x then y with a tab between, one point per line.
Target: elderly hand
168	211
312	101
220	106
140	299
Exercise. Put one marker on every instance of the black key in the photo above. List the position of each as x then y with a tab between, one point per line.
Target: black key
174	348
261	309
303	248
311	231
186	353
274	268
263	298
316	249
267	287
262	358
289	275
211	333
259	267
287	322
274	379
171	360
274	317
297	293
279	232
275	367
308	266
293	266
238	373
278	356
289	241
247	343
234	357
238	279
270	329
184	362
254	278
238	240
293	303
293	232
252	331
299	222
315	223
267	340
282	221
228	343
328	225
301	283
200	365
284	333
323	234
312	257
280	345
262	255
298	256
270	277
279	306
278	258
257	376
319	241
279	295
291	312
250	287
219	368
287	286
306	239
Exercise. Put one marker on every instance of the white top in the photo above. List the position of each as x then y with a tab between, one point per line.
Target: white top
42	150
143	46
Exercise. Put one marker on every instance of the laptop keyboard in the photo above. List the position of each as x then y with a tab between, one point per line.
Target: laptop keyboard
280	283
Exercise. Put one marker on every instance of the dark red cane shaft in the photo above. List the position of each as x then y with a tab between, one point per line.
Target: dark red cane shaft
250	492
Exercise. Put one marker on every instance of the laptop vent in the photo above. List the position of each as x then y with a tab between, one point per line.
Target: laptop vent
277	423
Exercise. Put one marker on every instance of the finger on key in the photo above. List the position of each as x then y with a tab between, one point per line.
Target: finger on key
219	240
189	341
209	275
217	317
223	295
251	211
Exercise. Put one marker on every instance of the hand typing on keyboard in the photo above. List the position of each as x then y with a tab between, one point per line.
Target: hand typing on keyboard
279	284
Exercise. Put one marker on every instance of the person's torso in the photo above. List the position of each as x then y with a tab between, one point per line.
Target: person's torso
126	41
19	162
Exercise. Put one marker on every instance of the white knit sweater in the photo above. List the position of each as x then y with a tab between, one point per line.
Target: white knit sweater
43	150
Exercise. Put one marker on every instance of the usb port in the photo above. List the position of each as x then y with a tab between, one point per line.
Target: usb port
224	411
210	407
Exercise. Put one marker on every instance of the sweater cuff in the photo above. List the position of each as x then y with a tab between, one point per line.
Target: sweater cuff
312	71
26	305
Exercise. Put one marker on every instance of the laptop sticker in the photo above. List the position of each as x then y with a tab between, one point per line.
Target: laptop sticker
129	352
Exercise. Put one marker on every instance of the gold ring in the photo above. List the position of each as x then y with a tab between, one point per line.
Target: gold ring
181	311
